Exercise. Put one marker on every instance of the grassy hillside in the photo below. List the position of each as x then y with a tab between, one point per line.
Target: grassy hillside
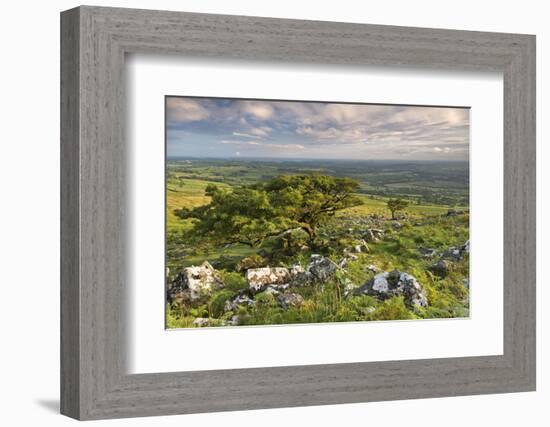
423	224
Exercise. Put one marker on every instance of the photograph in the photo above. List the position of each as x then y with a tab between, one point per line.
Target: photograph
293	212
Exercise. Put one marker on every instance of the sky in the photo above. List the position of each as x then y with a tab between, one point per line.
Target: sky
235	128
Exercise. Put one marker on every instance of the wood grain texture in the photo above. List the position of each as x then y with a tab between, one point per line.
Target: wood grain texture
94	236
70	307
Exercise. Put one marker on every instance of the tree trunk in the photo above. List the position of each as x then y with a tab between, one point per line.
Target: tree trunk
310	231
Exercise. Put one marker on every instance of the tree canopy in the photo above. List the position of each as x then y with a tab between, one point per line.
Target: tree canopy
395	205
251	214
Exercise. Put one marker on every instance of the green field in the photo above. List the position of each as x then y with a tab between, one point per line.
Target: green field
430	189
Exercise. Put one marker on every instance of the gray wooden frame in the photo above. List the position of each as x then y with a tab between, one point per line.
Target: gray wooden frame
94	41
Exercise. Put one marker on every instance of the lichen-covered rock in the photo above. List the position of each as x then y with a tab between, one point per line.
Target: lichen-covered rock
395	283
260	278
321	268
289	299
194	283
295	270
241	300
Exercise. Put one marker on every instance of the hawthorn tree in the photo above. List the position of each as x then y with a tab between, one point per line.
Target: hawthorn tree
395	205
251	214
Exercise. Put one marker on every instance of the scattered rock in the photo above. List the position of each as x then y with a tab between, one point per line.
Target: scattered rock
295	270
373	234
456	253
194	283
397	225
321	268
451	253
441	268
259	278
368	235
427	252
288	300
270	290
347	258
240	300
372	268
360	247
201	322
378	233
349	287
395	283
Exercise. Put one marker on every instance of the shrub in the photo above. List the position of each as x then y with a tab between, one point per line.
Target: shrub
217	302
264	299
233	281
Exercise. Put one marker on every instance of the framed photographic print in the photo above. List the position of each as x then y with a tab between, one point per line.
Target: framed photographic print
293	211
297	212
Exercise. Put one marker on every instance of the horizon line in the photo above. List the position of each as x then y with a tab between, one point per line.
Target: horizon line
312	159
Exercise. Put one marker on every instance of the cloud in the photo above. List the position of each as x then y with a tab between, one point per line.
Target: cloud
260	131
394	126
286	146
185	110
264	144
245	135
320	129
225	141
258	110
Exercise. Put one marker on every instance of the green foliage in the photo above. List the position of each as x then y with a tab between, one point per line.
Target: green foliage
217	302
233	281
265	300
361	306
395	205
250	214
392	309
